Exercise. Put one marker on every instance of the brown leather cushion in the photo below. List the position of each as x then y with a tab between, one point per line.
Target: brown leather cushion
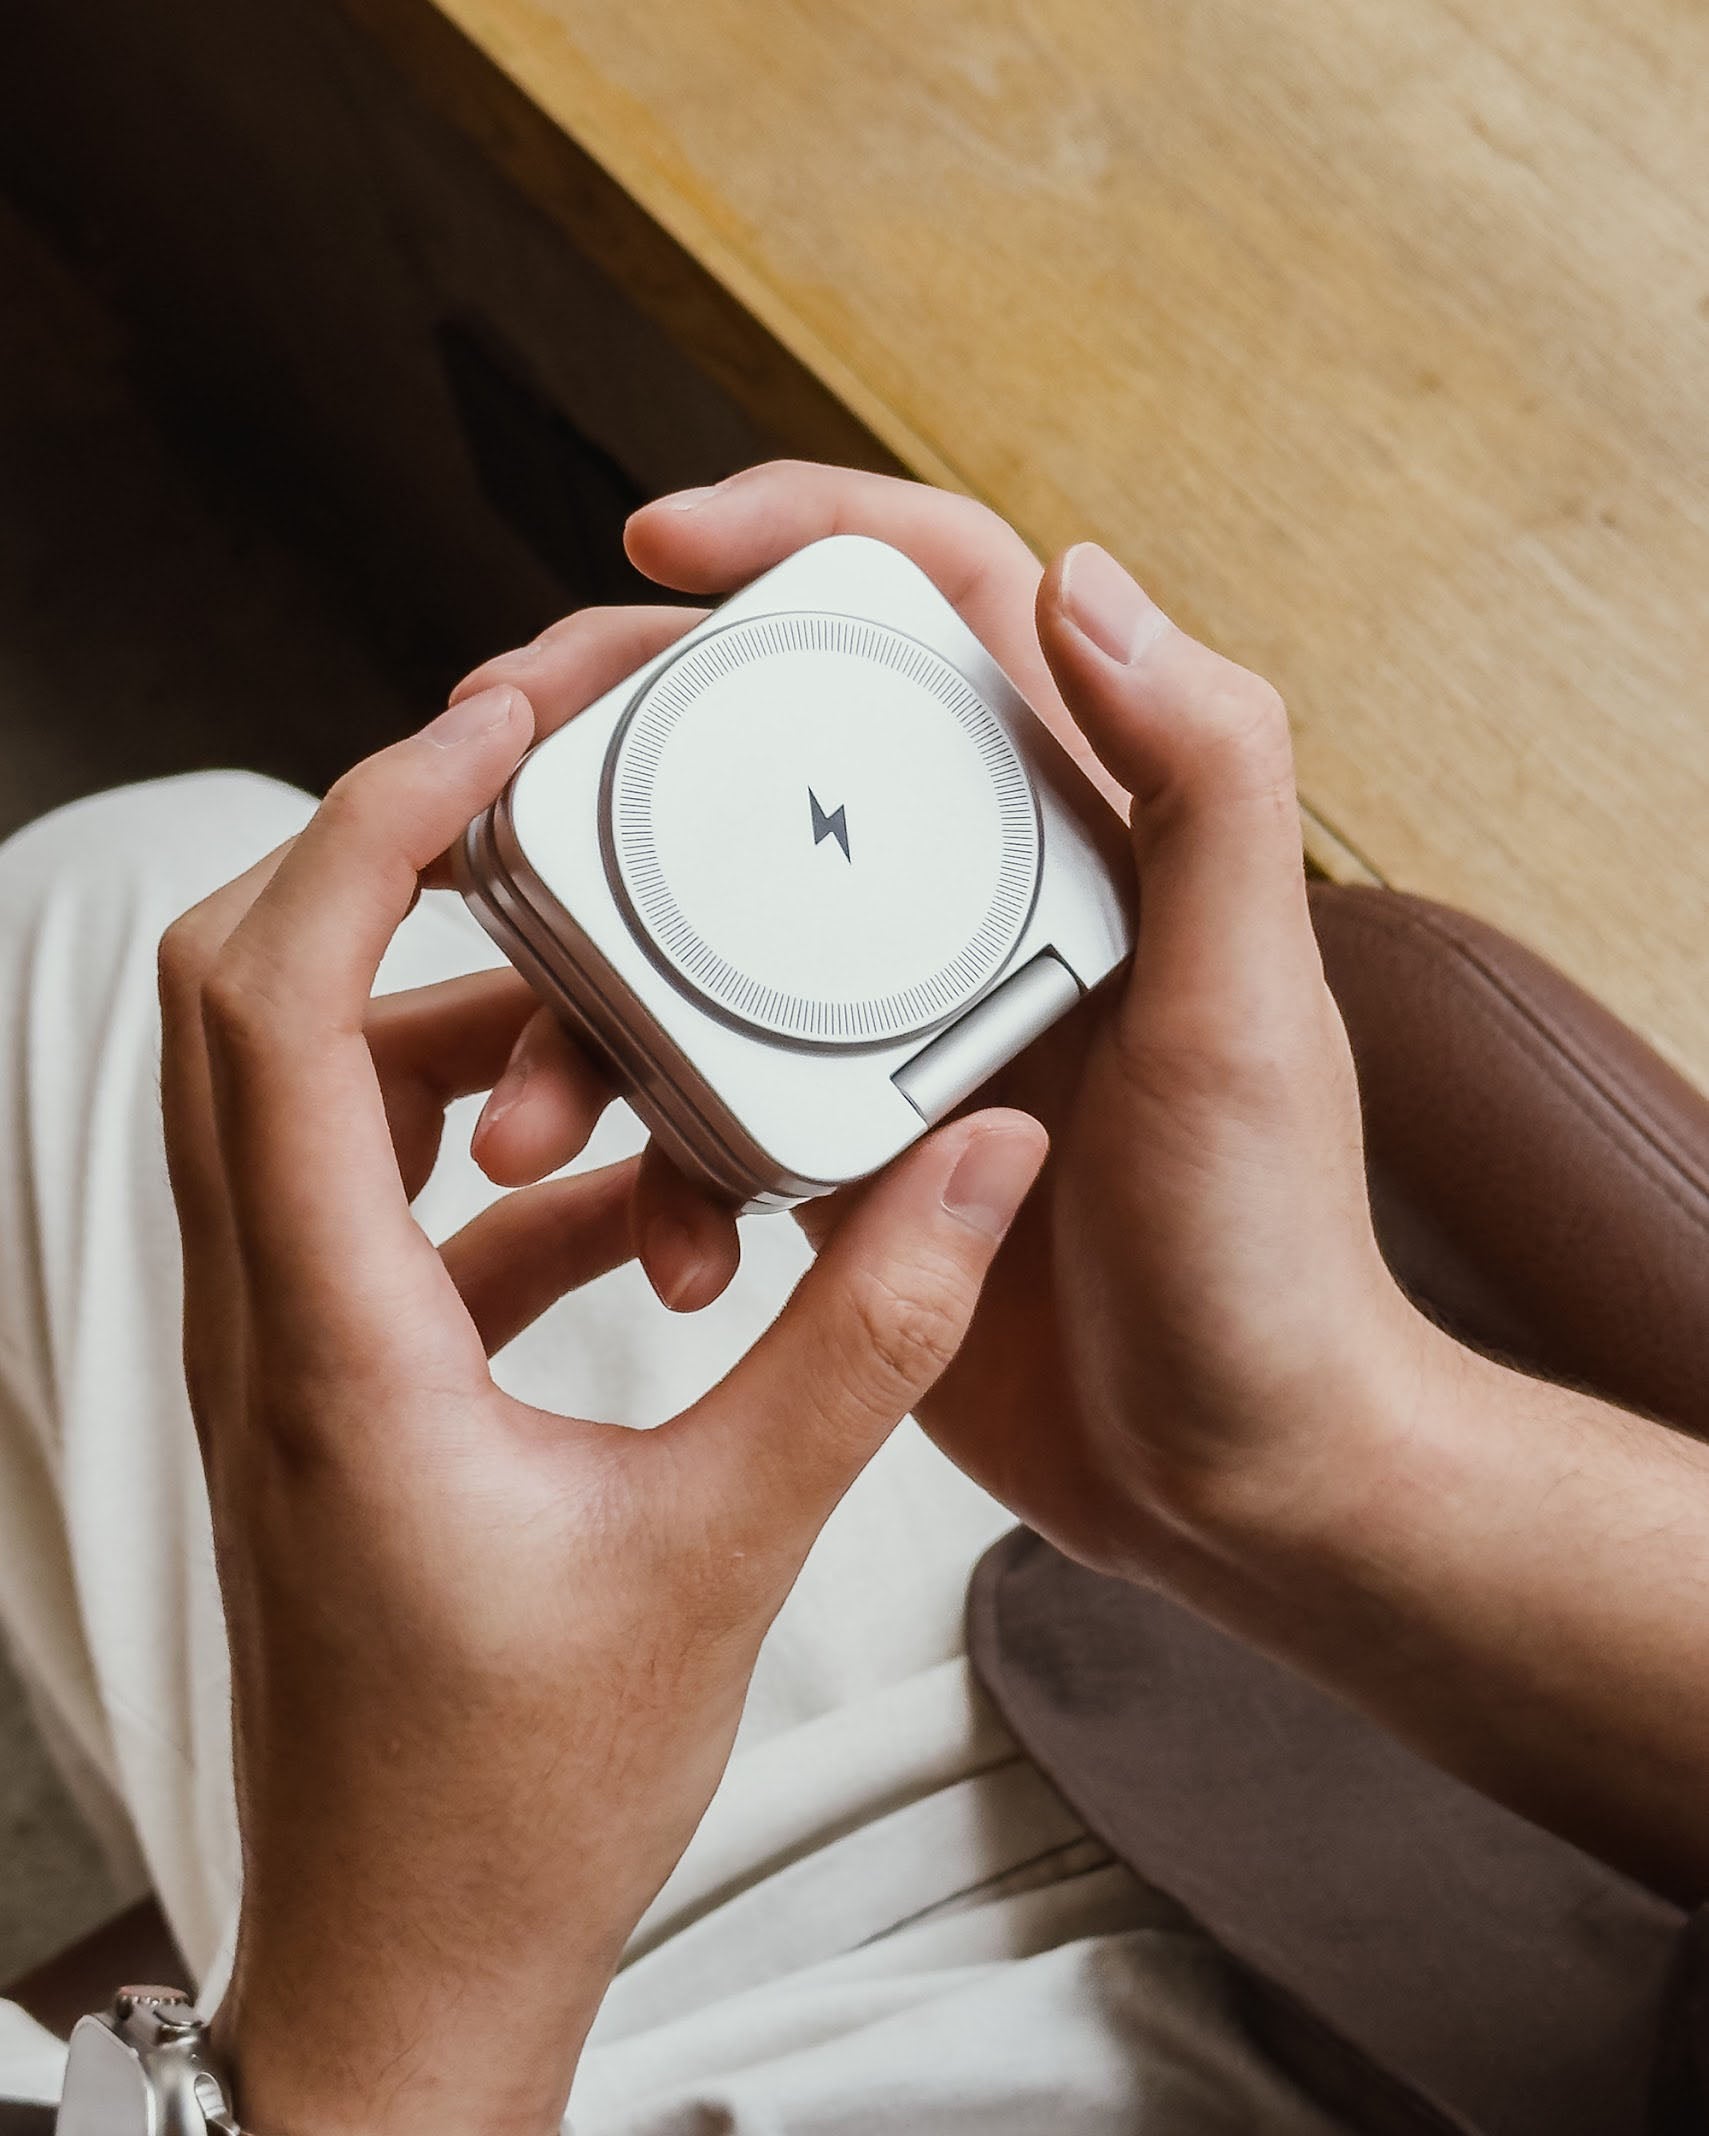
1424	1961
1540	1176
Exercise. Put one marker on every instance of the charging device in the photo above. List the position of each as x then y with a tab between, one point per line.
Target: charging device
807	878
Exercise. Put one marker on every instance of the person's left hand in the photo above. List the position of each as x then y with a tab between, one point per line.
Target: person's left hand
487	1662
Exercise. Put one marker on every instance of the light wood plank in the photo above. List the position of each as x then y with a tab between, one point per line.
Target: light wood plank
1374	333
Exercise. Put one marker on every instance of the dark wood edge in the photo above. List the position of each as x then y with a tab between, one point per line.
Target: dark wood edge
610	228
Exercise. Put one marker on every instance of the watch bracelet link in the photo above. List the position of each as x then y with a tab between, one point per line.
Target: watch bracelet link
142	2068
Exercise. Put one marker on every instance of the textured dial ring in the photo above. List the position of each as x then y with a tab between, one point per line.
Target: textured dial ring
819	826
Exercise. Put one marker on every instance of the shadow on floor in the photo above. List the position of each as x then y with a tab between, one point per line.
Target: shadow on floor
148	624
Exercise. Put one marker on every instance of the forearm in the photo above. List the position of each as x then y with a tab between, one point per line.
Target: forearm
1518	1585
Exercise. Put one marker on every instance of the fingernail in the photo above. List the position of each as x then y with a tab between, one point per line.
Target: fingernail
688	500
508	1088
990	1181
667	1255
1106	605
470	717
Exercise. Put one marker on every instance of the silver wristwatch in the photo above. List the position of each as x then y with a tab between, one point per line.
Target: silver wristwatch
143	2069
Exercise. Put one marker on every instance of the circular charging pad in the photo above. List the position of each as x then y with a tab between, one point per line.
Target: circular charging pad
819	826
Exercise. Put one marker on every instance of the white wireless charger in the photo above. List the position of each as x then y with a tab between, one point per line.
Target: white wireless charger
807	878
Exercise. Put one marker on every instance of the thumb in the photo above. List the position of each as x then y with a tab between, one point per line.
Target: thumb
1203	747
869	1328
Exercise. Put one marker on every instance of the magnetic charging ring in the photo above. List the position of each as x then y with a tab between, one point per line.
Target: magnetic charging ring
818	827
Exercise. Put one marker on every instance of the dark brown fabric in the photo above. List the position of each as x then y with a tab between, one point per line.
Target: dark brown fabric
1540	1176
1510	1983
1423	1960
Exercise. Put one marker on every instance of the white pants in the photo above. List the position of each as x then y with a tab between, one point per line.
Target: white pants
888	1921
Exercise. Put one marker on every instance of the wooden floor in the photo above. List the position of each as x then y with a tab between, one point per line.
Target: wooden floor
1374	334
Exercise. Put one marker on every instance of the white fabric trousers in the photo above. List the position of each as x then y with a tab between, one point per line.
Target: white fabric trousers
888	1921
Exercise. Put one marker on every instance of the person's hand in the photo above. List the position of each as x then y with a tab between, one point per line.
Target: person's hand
1189	1364
1200	1288
487	1661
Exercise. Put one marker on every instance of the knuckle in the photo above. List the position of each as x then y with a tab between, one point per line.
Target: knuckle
186	950
904	1331
568	631
1246	717
350	803
234	999
981	522
987	547
1195	1064
1254	1080
786	468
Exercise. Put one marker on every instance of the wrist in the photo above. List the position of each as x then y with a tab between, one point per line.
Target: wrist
1507	1586
1342	1461
330	2049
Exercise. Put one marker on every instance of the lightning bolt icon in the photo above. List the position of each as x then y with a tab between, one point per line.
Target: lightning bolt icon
835	825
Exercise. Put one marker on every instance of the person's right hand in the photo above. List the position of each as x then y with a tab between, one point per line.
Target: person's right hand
1189	1364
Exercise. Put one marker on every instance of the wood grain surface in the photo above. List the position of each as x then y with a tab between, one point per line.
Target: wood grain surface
1374	334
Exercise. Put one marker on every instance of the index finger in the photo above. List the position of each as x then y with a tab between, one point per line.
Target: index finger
313	1181
713	540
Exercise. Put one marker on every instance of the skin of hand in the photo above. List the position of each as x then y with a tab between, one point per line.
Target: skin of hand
487	1661
1203	1255
1190	1366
